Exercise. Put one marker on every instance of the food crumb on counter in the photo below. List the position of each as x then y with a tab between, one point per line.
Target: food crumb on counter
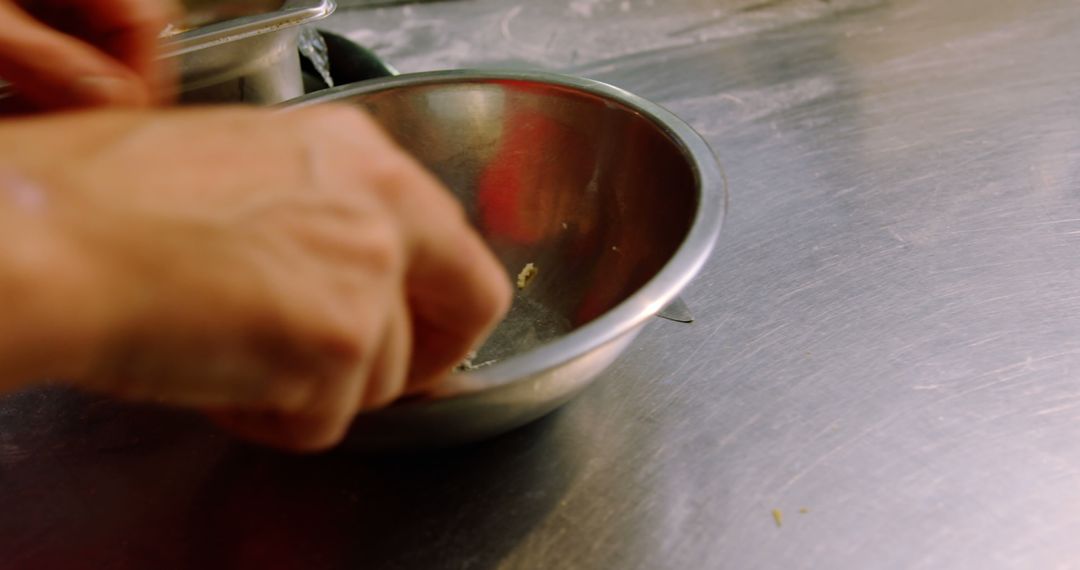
804	511
526	275
778	517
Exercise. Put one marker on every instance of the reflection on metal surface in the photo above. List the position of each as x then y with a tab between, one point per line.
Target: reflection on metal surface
889	336
247	52
676	311
202	13
79	472
614	200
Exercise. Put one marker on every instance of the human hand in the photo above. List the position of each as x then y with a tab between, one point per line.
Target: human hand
281	271
85	53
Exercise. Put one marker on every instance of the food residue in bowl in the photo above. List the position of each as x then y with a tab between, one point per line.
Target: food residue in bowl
527	274
468	364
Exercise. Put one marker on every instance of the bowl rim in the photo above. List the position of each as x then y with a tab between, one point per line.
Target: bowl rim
631	313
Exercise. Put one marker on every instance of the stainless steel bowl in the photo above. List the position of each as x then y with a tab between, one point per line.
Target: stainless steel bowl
614	199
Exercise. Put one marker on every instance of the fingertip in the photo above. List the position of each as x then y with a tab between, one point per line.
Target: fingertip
111	90
491	292
502	297
290	433
314	435
306	445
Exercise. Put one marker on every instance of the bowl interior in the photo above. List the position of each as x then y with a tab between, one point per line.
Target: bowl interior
594	194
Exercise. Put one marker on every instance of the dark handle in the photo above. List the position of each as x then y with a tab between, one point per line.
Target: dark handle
349	63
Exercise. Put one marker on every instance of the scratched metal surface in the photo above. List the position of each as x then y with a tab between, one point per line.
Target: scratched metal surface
888	337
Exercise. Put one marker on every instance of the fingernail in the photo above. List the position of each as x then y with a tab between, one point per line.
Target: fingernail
108	89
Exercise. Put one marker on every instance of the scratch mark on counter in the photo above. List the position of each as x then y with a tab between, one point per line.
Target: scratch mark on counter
697	26
759	6
584	8
735	433
843	446
760	342
985	266
11	453
892	232
691	358
865	260
1058	409
551	40
1025	225
1008	374
732	98
504	25
757	104
988	339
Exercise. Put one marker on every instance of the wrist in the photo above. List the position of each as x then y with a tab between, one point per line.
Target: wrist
56	314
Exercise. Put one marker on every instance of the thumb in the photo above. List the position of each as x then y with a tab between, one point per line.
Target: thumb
52	70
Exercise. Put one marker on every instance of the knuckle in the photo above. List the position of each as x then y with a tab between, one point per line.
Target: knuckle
393	173
382	250
342	346
348	342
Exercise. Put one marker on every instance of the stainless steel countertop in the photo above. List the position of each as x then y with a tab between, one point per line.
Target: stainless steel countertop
887	337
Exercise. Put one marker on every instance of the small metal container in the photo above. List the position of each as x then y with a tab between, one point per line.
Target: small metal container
252	58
